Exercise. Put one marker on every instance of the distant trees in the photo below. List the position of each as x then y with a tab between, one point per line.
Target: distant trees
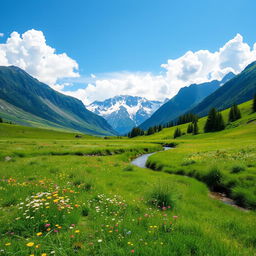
1	120
169	124
154	129
136	131
254	104
187	118
214	121
234	113
195	128
177	133
190	128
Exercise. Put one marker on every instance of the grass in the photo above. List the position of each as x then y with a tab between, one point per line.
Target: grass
66	196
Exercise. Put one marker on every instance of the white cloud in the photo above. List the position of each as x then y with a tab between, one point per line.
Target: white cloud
30	52
1	34
192	67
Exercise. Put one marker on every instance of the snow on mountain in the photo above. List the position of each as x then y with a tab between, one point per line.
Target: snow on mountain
124	112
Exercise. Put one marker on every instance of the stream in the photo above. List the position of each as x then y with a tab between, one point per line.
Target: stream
142	160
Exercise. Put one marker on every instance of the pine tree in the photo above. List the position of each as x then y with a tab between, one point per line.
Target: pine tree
190	128
1	120
234	113
177	133
220	125
150	131
195	128
254	104
135	132
237	112
211	121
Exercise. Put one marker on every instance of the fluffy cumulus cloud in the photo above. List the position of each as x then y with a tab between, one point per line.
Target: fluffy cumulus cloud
1	34
193	67
30	52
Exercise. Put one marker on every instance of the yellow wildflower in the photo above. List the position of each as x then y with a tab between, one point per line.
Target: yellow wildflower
30	244
39	233
7	244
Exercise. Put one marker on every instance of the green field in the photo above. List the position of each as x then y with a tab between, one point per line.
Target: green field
62	195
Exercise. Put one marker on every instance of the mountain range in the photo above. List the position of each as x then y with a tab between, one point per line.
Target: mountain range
237	90
125	112
25	100
186	98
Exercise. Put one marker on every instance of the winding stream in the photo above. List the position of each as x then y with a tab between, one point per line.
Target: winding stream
142	160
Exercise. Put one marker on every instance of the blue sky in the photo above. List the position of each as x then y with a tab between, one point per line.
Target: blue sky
130	35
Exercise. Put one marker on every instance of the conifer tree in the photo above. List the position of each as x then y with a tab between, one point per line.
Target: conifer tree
195	128
214	121
234	113
150	131
254	104
1	120
220	125
190	128
211	121
177	133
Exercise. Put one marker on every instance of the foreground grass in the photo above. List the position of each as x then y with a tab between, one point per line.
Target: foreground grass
60	195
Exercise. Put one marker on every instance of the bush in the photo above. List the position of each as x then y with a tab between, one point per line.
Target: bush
161	197
188	162
244	197
214	179
128	168
237	169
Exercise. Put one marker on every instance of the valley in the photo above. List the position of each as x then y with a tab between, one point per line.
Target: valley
63	194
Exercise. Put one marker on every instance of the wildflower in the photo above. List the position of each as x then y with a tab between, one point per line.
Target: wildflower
132	251
39	233
47	225
7	244
77	231
100	240
175	217
37	246
30	244
43	254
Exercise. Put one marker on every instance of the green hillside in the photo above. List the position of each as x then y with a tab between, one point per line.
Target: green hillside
231	153
187	98
238	90
66	196
26	101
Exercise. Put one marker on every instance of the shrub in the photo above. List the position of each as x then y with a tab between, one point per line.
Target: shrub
188	162
161	197
84	211
128	168
214	179
237	169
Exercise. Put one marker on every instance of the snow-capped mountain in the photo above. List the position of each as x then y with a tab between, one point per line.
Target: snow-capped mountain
124	112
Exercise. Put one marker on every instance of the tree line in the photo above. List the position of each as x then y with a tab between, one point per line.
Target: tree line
214	122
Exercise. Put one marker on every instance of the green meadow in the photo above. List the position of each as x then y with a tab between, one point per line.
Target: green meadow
63	194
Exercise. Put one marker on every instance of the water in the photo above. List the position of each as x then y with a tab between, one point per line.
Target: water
142	160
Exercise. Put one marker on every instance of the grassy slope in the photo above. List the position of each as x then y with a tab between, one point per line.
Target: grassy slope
204	226
232	150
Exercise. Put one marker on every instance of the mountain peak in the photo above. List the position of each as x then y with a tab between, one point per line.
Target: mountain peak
124	112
